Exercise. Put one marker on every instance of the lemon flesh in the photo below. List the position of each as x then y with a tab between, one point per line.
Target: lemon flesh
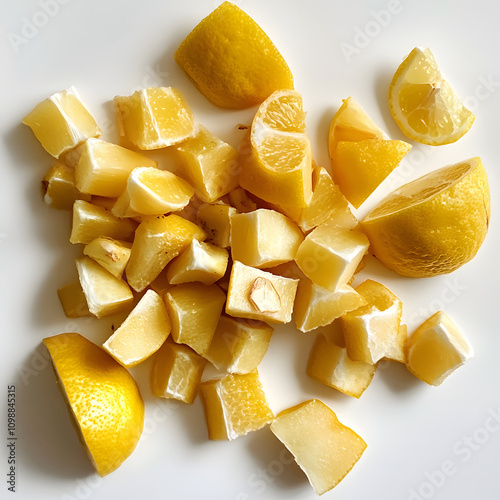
434	224
424	104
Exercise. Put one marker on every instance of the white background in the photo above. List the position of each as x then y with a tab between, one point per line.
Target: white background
335	49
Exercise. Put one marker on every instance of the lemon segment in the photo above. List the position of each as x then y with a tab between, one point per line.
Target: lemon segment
73	300
276	160
214	219
432	225
424	104
154	118
62	122
176	372
324	448
231	60
111	254
235	405
436	349
102	397
142	333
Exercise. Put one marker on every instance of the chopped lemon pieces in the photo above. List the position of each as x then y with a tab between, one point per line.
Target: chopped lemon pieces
436	349
176	372
62	122
199	262
264	238
423	103
73	300
209	164
154	118
194	310
157	241
256	294
325	449
142	333
112	254
105	294
239	345
235	405
214	219
329	256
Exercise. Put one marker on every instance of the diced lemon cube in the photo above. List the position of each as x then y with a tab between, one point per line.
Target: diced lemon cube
257	294
436	349
329	364
62	122
235	405
214	218
105	294
157	241
73	300
199	262
325	449
151	191
58	187
194	310
91	221
154	118
103	167
112	254
264	238
326	201
239	345
176	372
316	306
329	255
373	332
142	333
209	164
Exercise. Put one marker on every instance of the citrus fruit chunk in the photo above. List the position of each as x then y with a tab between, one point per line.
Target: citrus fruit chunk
361	166
209	164
112	254
330	255
276	161
151	191
424	104
264	238
105	294
62	122
214	219
316	306
91	221
324	448
194	310
157	241
142	333
434	224
73	300
201	262
176	372
238	345
350	123
59	189
154	118
231	60
329	364
257	294
436	349
235	405
372	331
102	397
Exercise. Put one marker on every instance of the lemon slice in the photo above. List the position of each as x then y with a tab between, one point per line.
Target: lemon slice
434	224
423	103
277	159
